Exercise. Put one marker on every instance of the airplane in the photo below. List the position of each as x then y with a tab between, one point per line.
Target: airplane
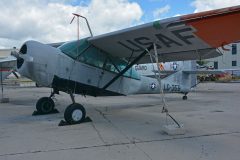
168	68
176	69
7	65
103	65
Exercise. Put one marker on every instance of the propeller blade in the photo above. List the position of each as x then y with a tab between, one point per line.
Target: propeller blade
15	74
15	54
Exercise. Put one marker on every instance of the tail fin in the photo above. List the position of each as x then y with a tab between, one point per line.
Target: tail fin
179	73
184	79
189	80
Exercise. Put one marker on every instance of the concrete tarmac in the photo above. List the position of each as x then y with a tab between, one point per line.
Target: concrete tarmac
125	127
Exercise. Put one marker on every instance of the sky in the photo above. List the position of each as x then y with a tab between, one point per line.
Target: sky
48	21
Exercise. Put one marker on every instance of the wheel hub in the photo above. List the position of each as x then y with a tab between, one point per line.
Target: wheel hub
46	107
77	115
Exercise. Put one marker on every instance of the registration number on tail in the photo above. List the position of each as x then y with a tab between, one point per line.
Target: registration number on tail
171	88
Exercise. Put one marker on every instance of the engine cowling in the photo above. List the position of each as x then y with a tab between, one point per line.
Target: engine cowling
38	62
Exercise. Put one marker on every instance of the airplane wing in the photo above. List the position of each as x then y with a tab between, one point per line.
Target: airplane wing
6	66
214	71
193	71
204	72
8	63
189	37
165	71
162	73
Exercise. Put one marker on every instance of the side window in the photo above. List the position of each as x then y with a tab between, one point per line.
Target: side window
93	57
97	58
109	66
121	65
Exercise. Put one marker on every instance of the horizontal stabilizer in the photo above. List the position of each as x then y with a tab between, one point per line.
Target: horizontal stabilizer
165	71
192	72
205	72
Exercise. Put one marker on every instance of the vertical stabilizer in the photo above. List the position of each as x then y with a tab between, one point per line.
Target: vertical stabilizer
185	80
189	80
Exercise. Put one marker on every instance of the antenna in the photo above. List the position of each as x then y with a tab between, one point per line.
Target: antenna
78	16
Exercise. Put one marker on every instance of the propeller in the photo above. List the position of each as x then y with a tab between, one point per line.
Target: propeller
15	54
15	74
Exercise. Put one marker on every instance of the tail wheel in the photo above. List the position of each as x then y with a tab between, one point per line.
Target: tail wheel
74	113
45	105
184	97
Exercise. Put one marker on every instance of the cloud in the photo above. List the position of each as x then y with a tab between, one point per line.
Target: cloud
48	20
113	14
177	15
9	43
160	11
204	5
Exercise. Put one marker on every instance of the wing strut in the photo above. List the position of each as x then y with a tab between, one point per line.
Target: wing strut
164	109
147	50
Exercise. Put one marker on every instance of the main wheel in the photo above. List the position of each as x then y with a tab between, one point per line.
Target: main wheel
184	97
74	113
45	105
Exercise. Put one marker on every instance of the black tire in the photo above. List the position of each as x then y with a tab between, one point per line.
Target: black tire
74	114
45	105
184	97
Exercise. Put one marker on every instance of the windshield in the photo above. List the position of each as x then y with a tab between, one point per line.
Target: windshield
74	48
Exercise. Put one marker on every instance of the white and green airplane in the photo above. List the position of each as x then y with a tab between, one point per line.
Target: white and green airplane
103	65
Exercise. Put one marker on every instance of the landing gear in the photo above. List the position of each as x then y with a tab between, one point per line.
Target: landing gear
74	114
185	97
45	105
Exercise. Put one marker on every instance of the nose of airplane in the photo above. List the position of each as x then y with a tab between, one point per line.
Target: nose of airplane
24	59
20	60
37	61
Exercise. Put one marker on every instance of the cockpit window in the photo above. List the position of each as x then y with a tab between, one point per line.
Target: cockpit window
121	65
74	48
93	56
84	52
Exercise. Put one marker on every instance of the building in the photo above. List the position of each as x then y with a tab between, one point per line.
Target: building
229	60
5	52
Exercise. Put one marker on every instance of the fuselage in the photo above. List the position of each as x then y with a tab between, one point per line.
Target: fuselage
81	68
